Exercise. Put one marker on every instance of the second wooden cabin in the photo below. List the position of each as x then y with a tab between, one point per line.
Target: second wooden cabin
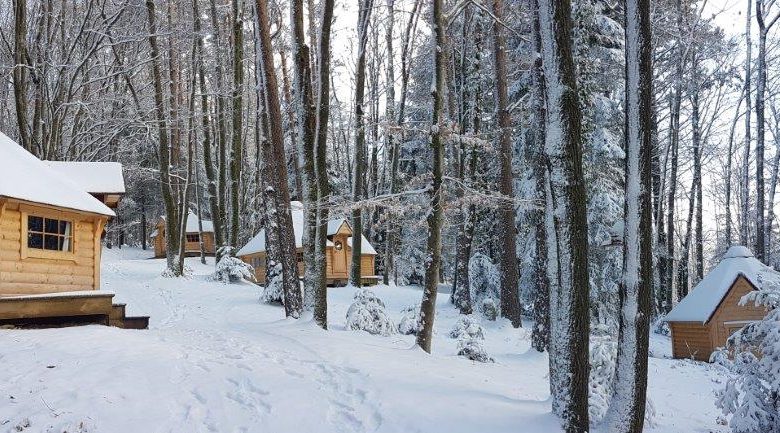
338	251
703	321
193	237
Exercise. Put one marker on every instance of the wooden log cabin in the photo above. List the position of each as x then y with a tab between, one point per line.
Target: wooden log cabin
103	180
702	321
193	237
50	247
338	251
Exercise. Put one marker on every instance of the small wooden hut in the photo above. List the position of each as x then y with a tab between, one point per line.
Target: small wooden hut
702	321
50	247
192	237
338	251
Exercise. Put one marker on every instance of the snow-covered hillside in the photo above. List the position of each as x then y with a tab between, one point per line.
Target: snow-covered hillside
216	360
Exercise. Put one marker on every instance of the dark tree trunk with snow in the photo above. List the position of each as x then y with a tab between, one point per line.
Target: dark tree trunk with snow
436	213
567	224
510	296
236	148
20	73
627	410
359	162
281	239
744	228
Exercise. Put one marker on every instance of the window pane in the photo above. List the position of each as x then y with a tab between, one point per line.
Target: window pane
35	240
64	227
51	242
52	226
35	223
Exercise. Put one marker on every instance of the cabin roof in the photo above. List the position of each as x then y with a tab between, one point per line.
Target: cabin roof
705	297
257	243
93	177
25	177
192	224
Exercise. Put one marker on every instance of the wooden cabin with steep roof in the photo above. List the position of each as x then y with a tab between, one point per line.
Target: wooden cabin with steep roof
50	247
196	231
703	321
338	251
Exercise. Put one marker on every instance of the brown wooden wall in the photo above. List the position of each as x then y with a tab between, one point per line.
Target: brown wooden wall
691	340
729	311
34	275
367	265
190	247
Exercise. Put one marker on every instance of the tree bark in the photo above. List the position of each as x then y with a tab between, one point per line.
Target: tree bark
627	410
279	228
20	73
436	215
237	97
745	204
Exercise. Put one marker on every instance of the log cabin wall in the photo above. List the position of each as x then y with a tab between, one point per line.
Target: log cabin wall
729	317
25	271
691	340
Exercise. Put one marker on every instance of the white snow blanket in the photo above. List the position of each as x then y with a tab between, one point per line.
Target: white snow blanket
704	298
93	177
217	360
25	177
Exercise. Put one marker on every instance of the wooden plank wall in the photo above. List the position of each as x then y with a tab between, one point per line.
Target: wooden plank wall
691	340
729	310
33	275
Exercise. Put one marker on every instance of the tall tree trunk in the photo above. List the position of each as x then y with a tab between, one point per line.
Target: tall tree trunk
436	214
321	165
567	222
163	153
728	174
20	73
358	193
745	193
697	151
627	410
306	121
390	145
222	132
683	281
510	295
763	29
237	97
279	228
540	336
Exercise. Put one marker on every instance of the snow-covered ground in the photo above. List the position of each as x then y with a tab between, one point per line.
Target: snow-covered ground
216	360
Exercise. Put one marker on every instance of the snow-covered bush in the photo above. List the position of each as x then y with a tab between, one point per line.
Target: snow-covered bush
231	269
603	354
465	327
485	283
750	395
410	320
661	326
368	314
472	349
272	292
489	308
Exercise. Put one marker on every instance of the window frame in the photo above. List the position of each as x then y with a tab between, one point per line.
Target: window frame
187	238
40	253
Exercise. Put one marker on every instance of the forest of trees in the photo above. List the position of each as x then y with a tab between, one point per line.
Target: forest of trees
569	141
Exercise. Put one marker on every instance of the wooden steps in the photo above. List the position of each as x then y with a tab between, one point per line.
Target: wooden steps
66	309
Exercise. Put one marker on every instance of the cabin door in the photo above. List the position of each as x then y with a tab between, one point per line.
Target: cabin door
339	256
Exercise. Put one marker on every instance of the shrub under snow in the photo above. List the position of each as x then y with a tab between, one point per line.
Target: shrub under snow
466	327
231	269
485	282
750	394
368	314
272	292
410	320
472	349
603	355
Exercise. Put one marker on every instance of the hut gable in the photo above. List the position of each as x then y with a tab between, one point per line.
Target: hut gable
26	178
705	298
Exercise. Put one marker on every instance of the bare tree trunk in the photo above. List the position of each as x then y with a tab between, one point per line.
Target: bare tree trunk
435	217
745	205
510	296
683	281
171	228
321	167
389	260
221	136
20	73
306	120
567	222
540	336
697	151
358	193
627	410
237	154
728	174
279	228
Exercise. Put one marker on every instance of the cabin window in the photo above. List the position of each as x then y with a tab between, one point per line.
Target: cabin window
338	245
49	234
193	237
299	257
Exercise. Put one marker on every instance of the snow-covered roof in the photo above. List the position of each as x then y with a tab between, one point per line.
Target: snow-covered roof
25	177
192	224
257	243
704	299
93	177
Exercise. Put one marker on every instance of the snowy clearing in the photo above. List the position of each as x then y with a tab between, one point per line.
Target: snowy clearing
216	360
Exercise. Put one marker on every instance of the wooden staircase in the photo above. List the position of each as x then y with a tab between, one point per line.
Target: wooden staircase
57	310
